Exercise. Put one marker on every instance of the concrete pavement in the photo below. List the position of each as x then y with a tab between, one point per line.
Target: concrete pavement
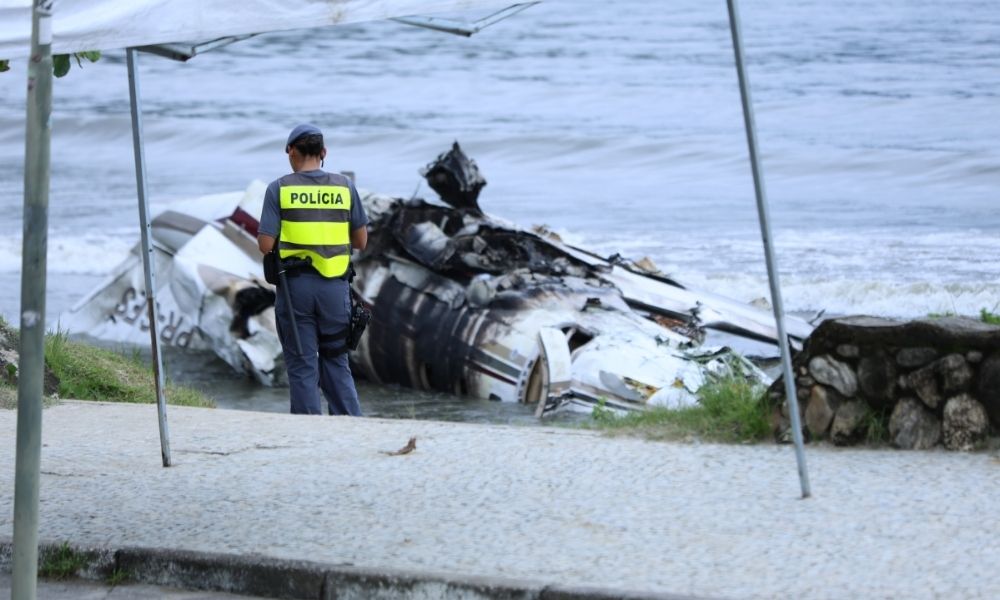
484	511
78	589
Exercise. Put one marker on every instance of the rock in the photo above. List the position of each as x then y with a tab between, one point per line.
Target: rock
776	393
988	386
974	356
8	365
956	375
953	332
877	379
778	421
832	372
50	383
847	424
965	423
848	351
9	341
777	400
823	404
911	358
924	383
802	393
913	427
805	381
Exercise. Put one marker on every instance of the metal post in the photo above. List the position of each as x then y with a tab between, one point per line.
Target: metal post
765	232
31	362
147	251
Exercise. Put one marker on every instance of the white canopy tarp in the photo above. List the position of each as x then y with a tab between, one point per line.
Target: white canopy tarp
81	25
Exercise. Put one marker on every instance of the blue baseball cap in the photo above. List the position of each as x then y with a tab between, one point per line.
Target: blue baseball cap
301	130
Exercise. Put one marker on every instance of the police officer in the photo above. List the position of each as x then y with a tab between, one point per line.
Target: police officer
315	218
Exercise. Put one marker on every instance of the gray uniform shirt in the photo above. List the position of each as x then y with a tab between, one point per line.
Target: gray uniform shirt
270	216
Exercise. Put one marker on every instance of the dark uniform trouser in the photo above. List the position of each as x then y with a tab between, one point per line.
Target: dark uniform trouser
322	311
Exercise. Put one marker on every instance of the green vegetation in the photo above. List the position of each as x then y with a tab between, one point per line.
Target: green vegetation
729	409
876	427
117	577
82	372
89	373
941	315
989	316
61	63
61	563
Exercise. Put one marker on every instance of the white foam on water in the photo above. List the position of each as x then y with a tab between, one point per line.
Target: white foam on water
859	296
838	271
89	254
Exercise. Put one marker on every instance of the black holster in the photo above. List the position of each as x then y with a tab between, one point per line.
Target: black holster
359	319
272	265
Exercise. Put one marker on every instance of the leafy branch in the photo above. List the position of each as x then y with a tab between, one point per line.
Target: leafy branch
61	63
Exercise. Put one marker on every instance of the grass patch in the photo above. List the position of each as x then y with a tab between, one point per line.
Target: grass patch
91	373
941	315
61	563
989	316
875	426
117	577
730	409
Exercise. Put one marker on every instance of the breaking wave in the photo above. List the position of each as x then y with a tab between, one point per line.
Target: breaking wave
840	272
89	254
860	296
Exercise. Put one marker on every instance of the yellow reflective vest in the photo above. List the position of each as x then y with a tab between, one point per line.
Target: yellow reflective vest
316	221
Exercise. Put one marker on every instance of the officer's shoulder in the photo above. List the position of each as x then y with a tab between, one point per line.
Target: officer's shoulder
340	179
281	180
272	188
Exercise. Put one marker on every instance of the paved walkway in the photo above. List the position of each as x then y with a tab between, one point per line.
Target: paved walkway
533	504
88	590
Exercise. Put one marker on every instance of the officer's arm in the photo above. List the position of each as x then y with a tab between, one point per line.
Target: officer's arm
359	238
266	242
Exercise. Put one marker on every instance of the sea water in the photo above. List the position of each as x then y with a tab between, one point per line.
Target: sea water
616	124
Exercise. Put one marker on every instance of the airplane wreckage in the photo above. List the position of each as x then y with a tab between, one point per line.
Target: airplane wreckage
462	302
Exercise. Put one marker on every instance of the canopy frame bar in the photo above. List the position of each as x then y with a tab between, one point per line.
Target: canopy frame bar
148	259
463	29
763	216
184	52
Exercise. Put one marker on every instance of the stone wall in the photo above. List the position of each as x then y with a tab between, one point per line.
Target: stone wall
919	383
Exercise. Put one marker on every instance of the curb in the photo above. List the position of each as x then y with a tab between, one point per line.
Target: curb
256	575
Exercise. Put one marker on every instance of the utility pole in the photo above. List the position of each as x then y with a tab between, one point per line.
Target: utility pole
31	362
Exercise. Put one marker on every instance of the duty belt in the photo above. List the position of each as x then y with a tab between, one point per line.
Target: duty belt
293	267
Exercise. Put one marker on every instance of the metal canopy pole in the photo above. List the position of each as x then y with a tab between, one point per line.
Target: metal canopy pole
31	362
147	250
765	232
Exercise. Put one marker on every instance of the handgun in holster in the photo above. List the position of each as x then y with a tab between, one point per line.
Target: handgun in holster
359	318
360	315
